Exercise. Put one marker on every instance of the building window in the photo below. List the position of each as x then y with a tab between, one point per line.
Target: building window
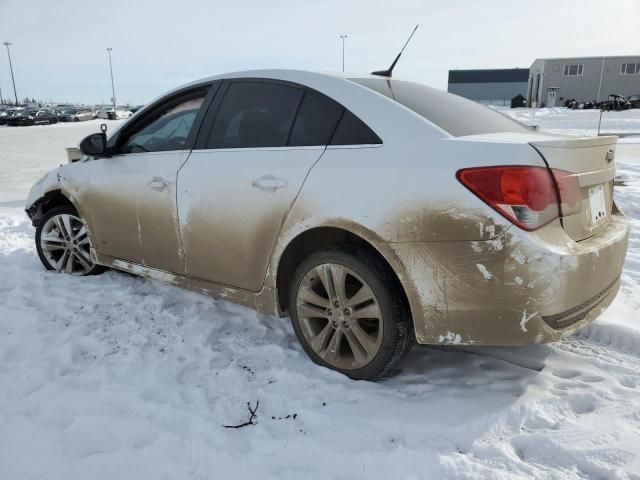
630	69
573	70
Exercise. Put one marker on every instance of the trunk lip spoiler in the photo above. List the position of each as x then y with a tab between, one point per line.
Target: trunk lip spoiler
576	142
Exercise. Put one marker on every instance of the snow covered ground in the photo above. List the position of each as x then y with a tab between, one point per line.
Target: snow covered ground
118	377
578	122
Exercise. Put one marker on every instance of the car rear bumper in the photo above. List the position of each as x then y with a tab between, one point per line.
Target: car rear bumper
518	289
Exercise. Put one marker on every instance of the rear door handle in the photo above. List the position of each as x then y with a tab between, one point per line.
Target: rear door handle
158	184
269	183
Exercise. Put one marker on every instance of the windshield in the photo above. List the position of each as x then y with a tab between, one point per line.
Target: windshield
456	115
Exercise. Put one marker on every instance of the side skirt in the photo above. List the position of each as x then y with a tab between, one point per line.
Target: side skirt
264	301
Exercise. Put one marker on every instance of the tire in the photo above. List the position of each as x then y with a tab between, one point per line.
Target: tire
76	119
61	251
360	333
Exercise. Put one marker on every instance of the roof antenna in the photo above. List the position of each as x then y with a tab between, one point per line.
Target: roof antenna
389	71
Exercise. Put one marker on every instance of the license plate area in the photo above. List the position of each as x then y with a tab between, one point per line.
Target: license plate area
597	204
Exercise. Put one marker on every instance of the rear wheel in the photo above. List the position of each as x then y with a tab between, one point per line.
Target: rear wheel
63	243
348	313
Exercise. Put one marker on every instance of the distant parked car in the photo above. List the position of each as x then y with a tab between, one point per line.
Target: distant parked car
4	113
135	108
33	117
110	114
575	105
7	112
615	102
75	114
634	100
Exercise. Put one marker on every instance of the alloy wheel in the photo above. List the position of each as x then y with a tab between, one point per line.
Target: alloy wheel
65	244
339	316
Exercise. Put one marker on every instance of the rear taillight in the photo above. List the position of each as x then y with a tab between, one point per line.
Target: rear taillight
569	191
526	196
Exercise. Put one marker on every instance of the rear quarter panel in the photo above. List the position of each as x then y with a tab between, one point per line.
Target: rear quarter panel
397	196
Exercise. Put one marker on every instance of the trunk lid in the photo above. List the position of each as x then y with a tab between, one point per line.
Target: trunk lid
592	162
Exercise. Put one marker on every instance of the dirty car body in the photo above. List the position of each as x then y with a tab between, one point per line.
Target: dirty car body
495	234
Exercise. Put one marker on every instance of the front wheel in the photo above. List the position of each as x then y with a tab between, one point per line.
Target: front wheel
349	314
63	243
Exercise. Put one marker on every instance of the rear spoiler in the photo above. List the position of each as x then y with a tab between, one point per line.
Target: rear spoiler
574	142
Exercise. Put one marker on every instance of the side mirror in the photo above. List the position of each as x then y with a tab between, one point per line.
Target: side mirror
94	145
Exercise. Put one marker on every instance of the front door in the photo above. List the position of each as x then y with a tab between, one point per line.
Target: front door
235	192
133	209
551	98
133	194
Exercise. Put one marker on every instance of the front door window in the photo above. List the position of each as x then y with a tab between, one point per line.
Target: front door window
167	130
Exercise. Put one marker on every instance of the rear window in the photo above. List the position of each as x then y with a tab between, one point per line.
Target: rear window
456	115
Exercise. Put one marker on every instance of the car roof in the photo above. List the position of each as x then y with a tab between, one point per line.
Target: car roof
292	75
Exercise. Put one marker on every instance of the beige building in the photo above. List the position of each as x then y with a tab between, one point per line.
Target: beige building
552	81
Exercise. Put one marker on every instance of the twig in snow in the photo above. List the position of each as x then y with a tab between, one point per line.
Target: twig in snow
252	417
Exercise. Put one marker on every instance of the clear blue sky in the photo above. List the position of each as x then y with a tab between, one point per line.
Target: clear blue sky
59	45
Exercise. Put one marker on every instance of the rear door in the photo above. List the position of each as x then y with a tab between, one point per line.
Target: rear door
133	193
41	117
255	148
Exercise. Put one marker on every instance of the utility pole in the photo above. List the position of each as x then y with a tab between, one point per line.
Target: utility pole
113	89
600	84
343	37
13	80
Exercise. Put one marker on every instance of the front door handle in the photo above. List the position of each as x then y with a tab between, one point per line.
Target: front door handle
158	184
269	183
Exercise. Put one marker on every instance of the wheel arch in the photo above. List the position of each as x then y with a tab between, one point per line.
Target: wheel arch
51	199
325	237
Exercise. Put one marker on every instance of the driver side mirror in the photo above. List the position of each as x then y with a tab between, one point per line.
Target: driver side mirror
94	145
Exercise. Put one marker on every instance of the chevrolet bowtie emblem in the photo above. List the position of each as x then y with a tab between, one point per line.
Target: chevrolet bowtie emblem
609	156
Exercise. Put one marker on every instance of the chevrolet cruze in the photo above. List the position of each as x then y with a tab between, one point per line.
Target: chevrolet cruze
376	213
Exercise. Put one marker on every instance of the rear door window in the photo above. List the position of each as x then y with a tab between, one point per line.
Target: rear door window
255	114
353	131
316	121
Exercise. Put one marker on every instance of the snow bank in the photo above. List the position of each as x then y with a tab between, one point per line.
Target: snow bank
115	376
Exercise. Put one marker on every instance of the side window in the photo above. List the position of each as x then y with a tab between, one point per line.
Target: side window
254	114
167	128
352	131
317	119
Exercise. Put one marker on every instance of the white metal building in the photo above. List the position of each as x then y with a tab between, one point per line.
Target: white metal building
552	81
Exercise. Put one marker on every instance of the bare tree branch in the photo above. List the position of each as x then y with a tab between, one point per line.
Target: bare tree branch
252	417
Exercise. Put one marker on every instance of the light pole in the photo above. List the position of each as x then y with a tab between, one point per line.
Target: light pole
343	37
113	89
13	80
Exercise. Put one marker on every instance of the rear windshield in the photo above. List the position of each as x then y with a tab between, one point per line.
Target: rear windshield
456	115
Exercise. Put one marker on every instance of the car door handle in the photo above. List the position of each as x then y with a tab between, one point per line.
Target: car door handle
269	183
158	184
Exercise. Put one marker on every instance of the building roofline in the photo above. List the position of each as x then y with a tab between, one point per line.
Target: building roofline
586	58
489	75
